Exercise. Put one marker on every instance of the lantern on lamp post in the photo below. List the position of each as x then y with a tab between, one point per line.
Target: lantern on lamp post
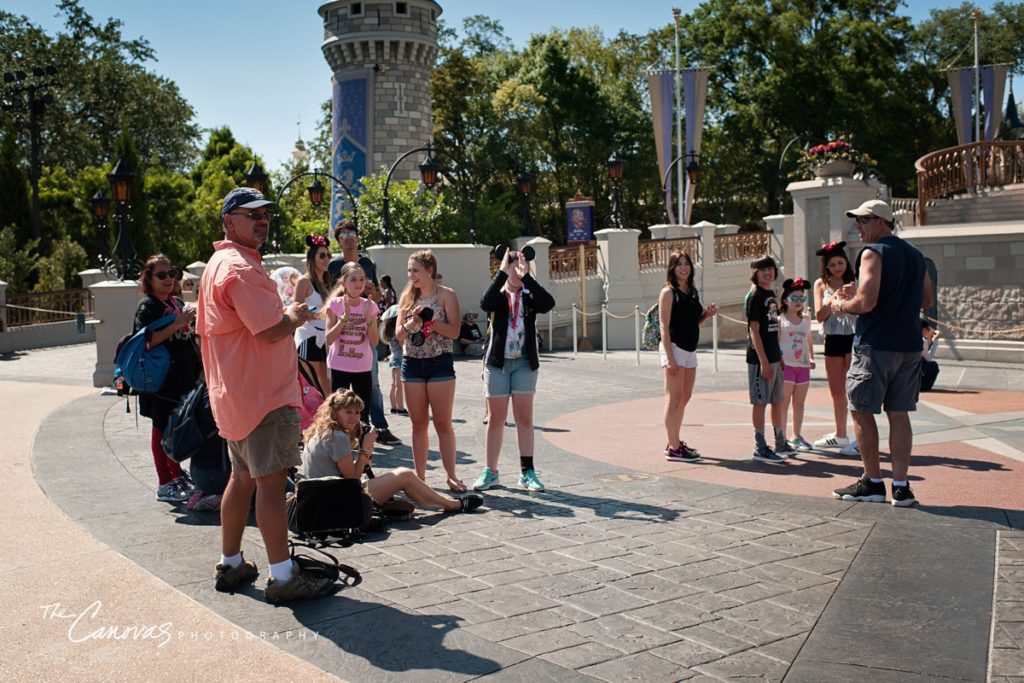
616	171
122	180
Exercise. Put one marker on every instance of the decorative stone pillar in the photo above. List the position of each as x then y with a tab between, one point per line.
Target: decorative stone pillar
619	264
819	215
668	232
3	306
91	277
114	310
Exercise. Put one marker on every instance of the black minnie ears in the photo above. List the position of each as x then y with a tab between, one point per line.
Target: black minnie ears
528	252
830	247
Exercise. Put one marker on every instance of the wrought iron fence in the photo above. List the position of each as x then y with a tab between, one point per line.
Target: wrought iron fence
654	253
979	165
34	308
742	246
564	262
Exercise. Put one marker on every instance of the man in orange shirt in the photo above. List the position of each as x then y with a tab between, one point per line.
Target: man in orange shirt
252	375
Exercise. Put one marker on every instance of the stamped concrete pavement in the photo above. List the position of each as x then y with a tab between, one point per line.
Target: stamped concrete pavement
620	571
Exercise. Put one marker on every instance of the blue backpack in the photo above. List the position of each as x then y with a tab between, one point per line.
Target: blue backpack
144	369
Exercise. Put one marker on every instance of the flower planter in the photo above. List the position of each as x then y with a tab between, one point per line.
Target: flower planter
836	167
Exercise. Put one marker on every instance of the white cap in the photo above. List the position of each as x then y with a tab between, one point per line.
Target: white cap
872	207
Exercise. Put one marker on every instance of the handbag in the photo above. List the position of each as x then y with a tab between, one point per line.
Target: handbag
329	506
144	368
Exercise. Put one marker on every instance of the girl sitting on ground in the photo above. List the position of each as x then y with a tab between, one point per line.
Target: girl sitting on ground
335	444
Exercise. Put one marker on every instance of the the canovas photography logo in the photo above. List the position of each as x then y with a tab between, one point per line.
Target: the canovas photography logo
89	624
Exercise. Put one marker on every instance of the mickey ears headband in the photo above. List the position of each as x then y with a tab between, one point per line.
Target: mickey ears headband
830	247
795	284
315	240
528	252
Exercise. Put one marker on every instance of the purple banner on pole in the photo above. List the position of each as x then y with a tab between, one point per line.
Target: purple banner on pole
661	88
350	129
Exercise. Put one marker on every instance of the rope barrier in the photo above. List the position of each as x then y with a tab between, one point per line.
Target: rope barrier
621	317
40	310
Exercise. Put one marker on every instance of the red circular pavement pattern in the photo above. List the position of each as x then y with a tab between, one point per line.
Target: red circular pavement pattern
949	472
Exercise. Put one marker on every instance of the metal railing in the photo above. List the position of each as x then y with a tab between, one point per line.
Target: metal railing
34	308
654	254
977	166
742	246
564	262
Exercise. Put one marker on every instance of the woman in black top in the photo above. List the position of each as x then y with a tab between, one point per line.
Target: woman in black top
514	298
158	279
680	314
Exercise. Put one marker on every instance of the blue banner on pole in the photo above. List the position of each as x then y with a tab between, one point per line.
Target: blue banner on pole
579	221
350	133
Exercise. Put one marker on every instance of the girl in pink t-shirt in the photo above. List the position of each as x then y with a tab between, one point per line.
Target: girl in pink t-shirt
351	329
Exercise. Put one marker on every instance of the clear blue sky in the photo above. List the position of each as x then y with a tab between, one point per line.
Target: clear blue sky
224	54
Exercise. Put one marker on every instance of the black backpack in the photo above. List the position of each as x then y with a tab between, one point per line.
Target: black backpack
184	436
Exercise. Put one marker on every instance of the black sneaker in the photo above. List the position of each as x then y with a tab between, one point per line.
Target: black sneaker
863	490
386	438
682	454
765	454
783	447
902	496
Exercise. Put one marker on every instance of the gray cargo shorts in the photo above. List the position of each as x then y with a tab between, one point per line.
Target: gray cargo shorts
889	379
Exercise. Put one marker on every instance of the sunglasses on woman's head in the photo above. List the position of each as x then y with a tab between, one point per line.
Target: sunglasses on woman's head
173	273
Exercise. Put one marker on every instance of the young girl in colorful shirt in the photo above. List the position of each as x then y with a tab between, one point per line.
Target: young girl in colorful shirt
351	329
797	356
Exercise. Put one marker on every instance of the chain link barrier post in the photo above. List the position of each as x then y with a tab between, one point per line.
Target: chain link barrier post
575	338
604	331
636	332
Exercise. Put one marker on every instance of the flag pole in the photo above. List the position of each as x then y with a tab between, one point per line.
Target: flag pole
679	122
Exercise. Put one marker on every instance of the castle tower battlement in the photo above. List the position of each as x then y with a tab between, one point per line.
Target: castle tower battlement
381	54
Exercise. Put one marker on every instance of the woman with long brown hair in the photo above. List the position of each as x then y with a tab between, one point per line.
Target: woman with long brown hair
313	289
680	314
159	279
428	321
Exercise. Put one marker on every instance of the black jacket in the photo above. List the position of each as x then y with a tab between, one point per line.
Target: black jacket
535	300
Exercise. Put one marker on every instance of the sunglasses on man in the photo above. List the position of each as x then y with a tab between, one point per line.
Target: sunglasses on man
256	216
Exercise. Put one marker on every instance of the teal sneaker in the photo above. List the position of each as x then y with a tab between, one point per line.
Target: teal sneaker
488	479
529	481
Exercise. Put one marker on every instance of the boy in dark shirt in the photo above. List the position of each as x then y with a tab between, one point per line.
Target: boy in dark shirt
764	370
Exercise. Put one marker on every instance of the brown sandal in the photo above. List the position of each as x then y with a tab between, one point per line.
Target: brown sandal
456	485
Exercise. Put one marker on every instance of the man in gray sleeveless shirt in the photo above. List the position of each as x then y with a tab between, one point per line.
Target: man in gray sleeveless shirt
891	289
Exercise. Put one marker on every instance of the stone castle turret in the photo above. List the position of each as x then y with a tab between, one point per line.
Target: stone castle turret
381	54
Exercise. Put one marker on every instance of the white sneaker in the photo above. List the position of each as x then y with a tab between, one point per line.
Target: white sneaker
850	449
830	440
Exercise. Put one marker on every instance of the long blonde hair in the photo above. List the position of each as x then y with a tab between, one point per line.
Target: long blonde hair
410	294
324	423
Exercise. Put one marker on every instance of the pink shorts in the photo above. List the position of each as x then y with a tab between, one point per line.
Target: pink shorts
796	375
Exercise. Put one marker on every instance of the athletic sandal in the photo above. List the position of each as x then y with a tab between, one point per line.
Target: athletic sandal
456	485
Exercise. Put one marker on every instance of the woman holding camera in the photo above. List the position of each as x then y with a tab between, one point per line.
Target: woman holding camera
512	361
428	321
158	279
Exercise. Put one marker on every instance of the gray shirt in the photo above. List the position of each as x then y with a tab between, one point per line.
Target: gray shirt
321	455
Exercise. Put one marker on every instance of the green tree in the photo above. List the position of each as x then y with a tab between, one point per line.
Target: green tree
102	88
417	215
60	269
15	207
17	259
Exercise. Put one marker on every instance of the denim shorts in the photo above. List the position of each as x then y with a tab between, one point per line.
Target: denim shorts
395	359
889	379
422	370
516	377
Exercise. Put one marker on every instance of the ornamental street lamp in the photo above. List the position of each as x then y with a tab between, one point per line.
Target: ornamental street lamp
100	207
24	92
316	191
121	180
429	172
616	171
527	185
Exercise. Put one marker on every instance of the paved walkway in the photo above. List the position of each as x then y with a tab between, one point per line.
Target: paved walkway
627	568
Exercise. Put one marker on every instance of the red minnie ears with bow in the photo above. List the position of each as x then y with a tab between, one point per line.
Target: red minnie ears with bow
830	248
315	240
793	285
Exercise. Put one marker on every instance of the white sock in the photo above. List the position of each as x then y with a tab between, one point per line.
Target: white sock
282	571
233	561
899	483
874	480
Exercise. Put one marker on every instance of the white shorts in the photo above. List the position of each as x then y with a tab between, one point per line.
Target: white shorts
684	359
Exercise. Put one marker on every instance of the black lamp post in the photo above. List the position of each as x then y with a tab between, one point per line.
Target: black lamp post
782	179
616	171
26	92
316	191
121	179
693	167
100	206
527	186
429	171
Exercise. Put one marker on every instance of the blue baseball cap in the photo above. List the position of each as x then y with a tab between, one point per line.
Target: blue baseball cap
243	198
